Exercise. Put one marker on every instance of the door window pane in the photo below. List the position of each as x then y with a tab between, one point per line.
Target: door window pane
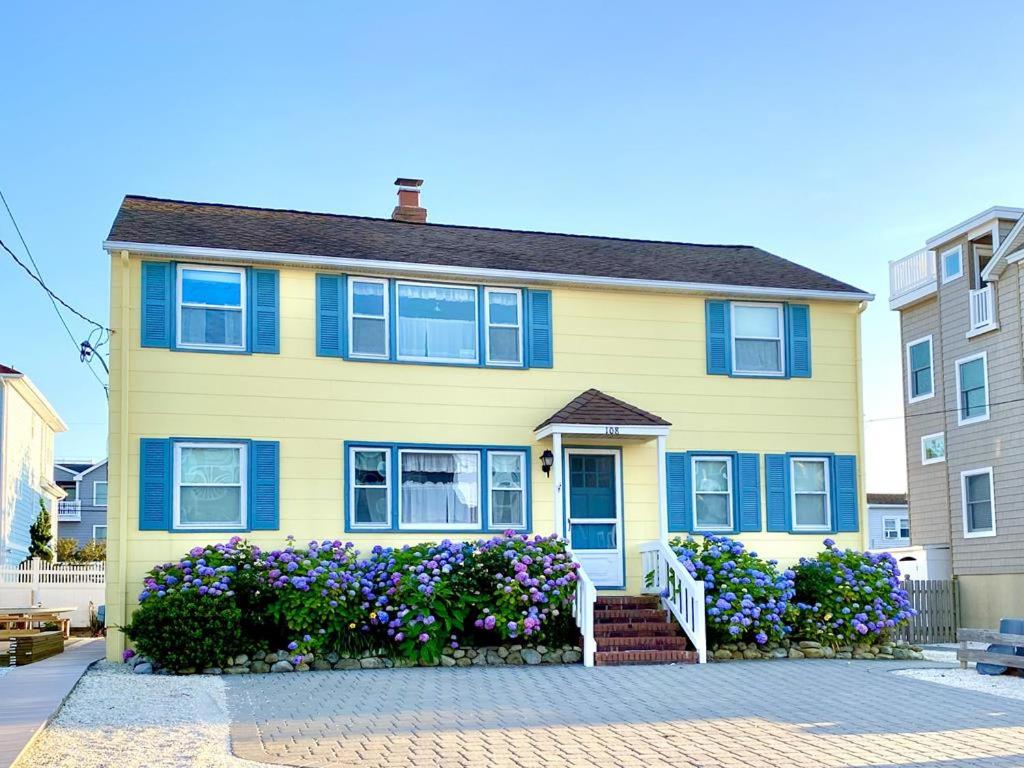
440	488
594	536
437	322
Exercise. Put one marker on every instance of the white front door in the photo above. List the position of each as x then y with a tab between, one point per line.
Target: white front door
594	512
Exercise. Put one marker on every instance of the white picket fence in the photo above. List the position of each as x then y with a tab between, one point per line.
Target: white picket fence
56	585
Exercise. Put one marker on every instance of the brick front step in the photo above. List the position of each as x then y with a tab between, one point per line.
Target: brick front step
616	658
641	643
634	616
627	602
626	629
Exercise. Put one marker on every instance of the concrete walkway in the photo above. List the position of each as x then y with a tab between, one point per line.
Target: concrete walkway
31	695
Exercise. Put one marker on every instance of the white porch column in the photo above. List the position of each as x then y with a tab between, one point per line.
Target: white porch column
556	477
662	492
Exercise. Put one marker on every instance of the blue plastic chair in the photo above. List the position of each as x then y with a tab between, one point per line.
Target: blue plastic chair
1006	627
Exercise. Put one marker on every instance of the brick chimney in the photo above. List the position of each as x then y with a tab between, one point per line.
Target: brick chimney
408	208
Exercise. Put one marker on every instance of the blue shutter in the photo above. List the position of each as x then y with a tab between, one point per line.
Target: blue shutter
330	316
844	482
798	340
264	311
155	479
748	475
264	473
776	486
540	335
718	343
157	303
677	492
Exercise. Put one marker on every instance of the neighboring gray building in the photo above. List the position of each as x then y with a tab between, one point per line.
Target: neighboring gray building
888	521
959	300
83	514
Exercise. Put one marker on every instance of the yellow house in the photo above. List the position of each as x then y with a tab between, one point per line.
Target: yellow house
387	381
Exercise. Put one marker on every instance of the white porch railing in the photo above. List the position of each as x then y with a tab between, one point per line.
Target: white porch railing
911	274
982	308
681	594
69	511
583	611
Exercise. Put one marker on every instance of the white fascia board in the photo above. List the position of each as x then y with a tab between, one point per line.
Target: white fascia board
975	222
371	266
601	430
39	403
999	258
914	296
85	472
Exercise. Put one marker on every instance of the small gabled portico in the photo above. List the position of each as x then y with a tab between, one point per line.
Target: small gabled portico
588	478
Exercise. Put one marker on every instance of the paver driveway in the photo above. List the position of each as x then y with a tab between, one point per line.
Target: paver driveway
757	714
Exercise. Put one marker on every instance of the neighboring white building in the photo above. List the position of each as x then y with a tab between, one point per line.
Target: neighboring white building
27	426
889	531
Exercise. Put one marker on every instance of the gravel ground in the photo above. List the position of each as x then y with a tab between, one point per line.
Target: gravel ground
1010	686
119	720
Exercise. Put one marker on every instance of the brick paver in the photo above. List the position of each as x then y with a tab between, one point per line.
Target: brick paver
756	714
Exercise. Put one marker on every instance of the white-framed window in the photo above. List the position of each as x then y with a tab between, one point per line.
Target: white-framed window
809	477
895	527
438	489
920	379
712	493
370	484
210	488
505	472
972	389
211	307
933	448
504	317
368	332
437	323
99	493
99	532
952	262
978	496
758	333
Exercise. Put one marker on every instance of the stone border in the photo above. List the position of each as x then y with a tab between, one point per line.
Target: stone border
262	662
810	649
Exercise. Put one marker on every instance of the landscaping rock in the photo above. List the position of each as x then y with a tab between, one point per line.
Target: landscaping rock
863	655
495	658
458	653
465	661
541	649
145	668
531	656
479	660
503	651
303	667
844	655
322	665
885	649
271	658
828	652
795	654
212	671
237	670
723	653
282	666
241	660
572	657
447	661
372	663
804	644
425	663
514	657
259	667
751	653
886	656
813	653
778	653
347	664
332	657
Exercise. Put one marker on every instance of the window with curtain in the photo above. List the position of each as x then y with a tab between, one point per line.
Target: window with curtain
977	492
371	496
810	494
437	323
211	307
919	369
508	507
972	383
439	489
368	331
504	326
757	331
210	487
712	493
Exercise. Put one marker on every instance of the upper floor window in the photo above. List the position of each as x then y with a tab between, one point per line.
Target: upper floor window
210	485
972	389
211	307
920	384
933	448
895	527
978	498
368	320
99	493
437	323
811	496
757	339
952	262
504	326
712	493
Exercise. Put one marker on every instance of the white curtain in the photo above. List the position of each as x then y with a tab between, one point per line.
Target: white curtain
440	336
451	498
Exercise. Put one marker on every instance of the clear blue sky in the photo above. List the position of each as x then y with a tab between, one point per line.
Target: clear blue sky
837	135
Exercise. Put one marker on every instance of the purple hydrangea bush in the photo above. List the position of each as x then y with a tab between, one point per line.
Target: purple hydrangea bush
845	597
747	598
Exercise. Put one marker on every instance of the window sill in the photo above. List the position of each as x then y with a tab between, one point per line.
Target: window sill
975	420
980	535
976	332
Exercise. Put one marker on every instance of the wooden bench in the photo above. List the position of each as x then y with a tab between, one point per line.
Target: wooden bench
965	654
25	649
25	618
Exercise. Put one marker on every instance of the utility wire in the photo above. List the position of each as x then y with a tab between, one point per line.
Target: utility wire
937	413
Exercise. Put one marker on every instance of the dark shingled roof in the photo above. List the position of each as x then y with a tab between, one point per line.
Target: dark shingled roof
8	369
887	498
209	225
595	407
75	466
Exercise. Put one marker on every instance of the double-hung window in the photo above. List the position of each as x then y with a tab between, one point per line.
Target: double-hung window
811	497
757	339
99	493
508	496
437	323
979	504
99	533
972	389
895	528
504	326
210	485
211	307
368	320
920	384
712	493
371	487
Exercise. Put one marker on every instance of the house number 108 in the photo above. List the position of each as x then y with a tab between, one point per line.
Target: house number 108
611	430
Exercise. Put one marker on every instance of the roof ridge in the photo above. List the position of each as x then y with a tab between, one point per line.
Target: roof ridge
382	219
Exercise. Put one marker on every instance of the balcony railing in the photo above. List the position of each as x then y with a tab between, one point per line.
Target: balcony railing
69	511
911	278
983	308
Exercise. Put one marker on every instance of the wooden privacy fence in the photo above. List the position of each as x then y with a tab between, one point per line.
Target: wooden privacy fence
938	611
36	581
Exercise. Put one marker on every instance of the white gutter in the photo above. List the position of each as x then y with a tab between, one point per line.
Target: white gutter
506	275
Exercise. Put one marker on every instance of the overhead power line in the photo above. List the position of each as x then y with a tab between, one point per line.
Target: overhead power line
940	412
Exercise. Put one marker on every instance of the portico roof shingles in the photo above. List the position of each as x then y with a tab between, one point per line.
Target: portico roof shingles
595	407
